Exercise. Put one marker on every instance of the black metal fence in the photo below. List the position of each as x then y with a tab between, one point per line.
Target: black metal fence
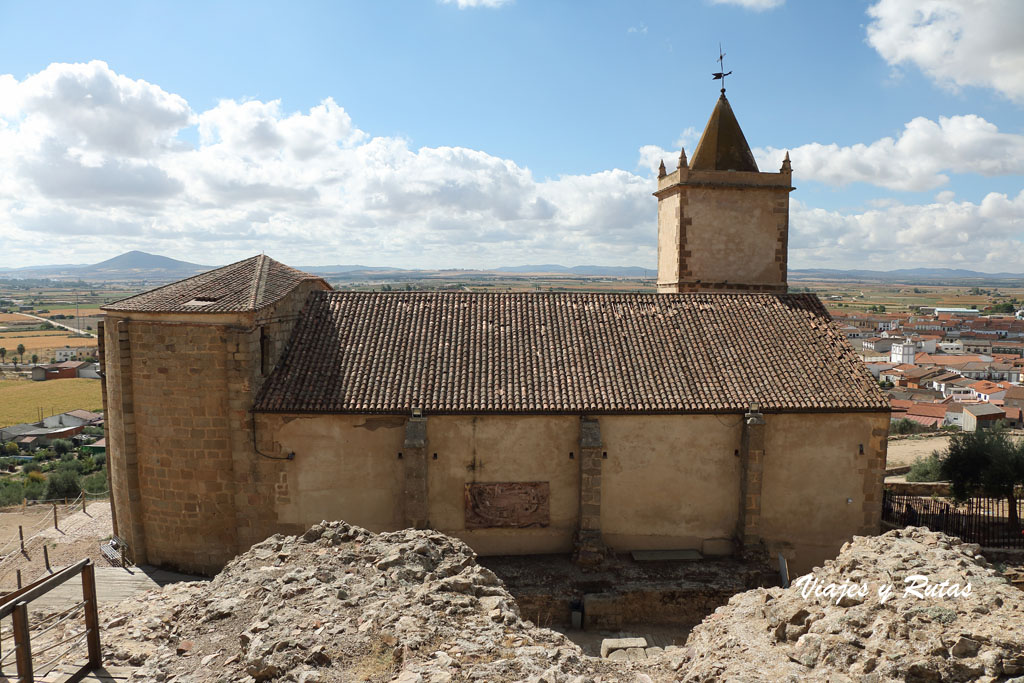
980	520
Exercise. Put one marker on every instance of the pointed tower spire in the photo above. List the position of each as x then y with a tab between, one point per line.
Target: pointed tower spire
722	147
682	157
786	166
661	169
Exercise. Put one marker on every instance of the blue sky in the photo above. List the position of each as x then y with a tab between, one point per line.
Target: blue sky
480	133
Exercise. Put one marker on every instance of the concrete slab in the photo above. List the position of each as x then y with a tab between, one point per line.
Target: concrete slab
610	645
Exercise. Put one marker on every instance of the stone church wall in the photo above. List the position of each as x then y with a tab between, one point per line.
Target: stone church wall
684	469
804	510
179	388
667	482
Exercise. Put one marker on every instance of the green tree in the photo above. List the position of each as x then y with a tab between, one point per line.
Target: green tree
3	354
987	460
35	359
21	352
62	484
61	446
11	448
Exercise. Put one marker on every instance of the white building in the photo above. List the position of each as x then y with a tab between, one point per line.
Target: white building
903	353
73	353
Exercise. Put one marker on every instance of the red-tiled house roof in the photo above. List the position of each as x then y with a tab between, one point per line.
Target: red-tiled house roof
359	352
248	285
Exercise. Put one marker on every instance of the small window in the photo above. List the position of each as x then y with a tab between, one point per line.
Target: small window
264	352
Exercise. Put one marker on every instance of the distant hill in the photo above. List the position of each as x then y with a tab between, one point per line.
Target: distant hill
133	265
139	266
332	270
610	271
142	264
901	274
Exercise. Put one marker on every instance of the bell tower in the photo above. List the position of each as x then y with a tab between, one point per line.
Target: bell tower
723	226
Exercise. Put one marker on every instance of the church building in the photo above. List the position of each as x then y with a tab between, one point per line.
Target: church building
718	414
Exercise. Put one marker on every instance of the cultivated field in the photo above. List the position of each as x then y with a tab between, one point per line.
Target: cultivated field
22	400
44	340
70	310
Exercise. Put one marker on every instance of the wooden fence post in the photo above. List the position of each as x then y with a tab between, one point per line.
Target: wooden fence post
92	619
19	578
22	644
46	557
55	516
21	537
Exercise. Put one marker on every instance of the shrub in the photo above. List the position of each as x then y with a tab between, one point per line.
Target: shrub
34	490
31	467
62	484
70	466
62	446
100	459
36	476
95	482
11	448
926	468
905	426
11	493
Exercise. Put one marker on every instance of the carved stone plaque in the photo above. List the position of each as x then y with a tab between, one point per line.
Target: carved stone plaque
517	505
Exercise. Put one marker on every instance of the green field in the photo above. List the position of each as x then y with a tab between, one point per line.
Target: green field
25	400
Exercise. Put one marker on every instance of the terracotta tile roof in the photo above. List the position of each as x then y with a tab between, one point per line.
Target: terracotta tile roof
900	404
926	420
360	352
928	409
248	285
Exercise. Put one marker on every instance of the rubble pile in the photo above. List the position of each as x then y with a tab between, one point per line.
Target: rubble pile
850	632
340	603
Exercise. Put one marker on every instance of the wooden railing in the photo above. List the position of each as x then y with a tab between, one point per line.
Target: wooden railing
16	604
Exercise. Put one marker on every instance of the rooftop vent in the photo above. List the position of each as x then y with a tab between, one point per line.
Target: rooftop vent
201	301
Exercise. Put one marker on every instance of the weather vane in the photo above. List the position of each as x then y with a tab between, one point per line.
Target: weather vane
720	75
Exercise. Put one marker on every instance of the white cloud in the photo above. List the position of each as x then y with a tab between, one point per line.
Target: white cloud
756	5
463	4
955	42
918	159
988	236
652	155
311	187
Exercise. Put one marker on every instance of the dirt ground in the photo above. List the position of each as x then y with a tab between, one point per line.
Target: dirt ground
78	536
905	451
31	518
